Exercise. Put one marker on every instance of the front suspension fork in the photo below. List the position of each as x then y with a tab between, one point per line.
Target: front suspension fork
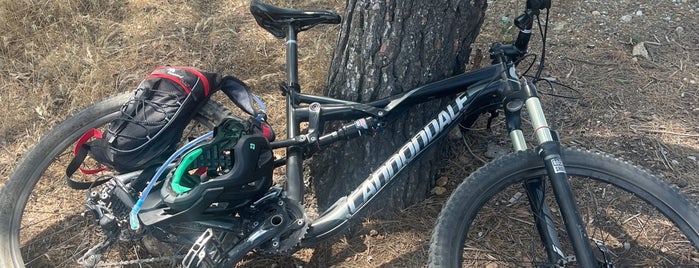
549	151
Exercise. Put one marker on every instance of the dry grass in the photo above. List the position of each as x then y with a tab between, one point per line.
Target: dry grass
59	56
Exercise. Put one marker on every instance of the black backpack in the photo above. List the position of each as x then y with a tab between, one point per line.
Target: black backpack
155	116
146	132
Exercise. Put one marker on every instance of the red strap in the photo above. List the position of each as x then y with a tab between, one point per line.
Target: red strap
201	76
173	79
92	133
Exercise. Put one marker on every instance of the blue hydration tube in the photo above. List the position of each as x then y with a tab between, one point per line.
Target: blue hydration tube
259	117
133	216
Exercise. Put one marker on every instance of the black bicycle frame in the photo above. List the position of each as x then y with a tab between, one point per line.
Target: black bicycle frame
473	90
347	207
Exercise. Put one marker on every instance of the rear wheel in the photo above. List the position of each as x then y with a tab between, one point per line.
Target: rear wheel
640	219
42	223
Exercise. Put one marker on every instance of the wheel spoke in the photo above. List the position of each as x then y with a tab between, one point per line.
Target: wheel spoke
52	232
619	205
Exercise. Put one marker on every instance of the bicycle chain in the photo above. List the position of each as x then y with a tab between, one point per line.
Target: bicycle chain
141	261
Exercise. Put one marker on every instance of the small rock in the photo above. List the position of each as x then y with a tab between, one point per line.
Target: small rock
596	13
442	181
639	13
693	158
626	18
439	190
640	50
559	26
679	30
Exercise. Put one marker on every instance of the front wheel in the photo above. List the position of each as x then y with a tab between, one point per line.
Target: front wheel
639	219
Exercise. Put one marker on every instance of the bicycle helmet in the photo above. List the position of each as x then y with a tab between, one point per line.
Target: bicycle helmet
230	171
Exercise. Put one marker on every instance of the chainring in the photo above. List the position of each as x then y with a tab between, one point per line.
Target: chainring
289	240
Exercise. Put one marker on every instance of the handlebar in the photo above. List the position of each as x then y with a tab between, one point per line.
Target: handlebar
524	23
517	50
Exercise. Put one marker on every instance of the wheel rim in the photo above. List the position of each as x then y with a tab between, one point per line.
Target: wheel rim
629	228
49	230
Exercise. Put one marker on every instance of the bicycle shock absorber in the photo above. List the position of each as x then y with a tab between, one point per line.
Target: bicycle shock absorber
534	187
549	151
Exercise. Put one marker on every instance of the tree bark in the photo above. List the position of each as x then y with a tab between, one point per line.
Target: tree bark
385	48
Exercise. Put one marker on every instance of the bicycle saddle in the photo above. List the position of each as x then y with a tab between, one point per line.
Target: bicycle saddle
276	19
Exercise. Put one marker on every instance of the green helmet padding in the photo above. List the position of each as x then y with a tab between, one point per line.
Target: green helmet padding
181	170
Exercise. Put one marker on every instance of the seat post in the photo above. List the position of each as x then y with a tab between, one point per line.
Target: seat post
292	71
294	154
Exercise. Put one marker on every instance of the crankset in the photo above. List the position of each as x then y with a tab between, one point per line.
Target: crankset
279	228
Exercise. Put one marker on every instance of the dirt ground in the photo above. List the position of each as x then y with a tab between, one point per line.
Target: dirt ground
633	70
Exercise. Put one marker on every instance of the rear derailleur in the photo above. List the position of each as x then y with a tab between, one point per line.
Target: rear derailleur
110	214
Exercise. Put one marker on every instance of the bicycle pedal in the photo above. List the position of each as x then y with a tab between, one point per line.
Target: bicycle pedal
205	252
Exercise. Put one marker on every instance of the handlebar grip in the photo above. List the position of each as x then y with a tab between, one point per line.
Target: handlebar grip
538	4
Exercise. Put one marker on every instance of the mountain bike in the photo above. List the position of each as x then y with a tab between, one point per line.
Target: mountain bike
581	208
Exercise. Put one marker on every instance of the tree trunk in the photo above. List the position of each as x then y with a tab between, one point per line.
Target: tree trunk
385	48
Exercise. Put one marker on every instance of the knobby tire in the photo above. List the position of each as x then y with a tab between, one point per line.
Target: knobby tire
641	219
37	208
